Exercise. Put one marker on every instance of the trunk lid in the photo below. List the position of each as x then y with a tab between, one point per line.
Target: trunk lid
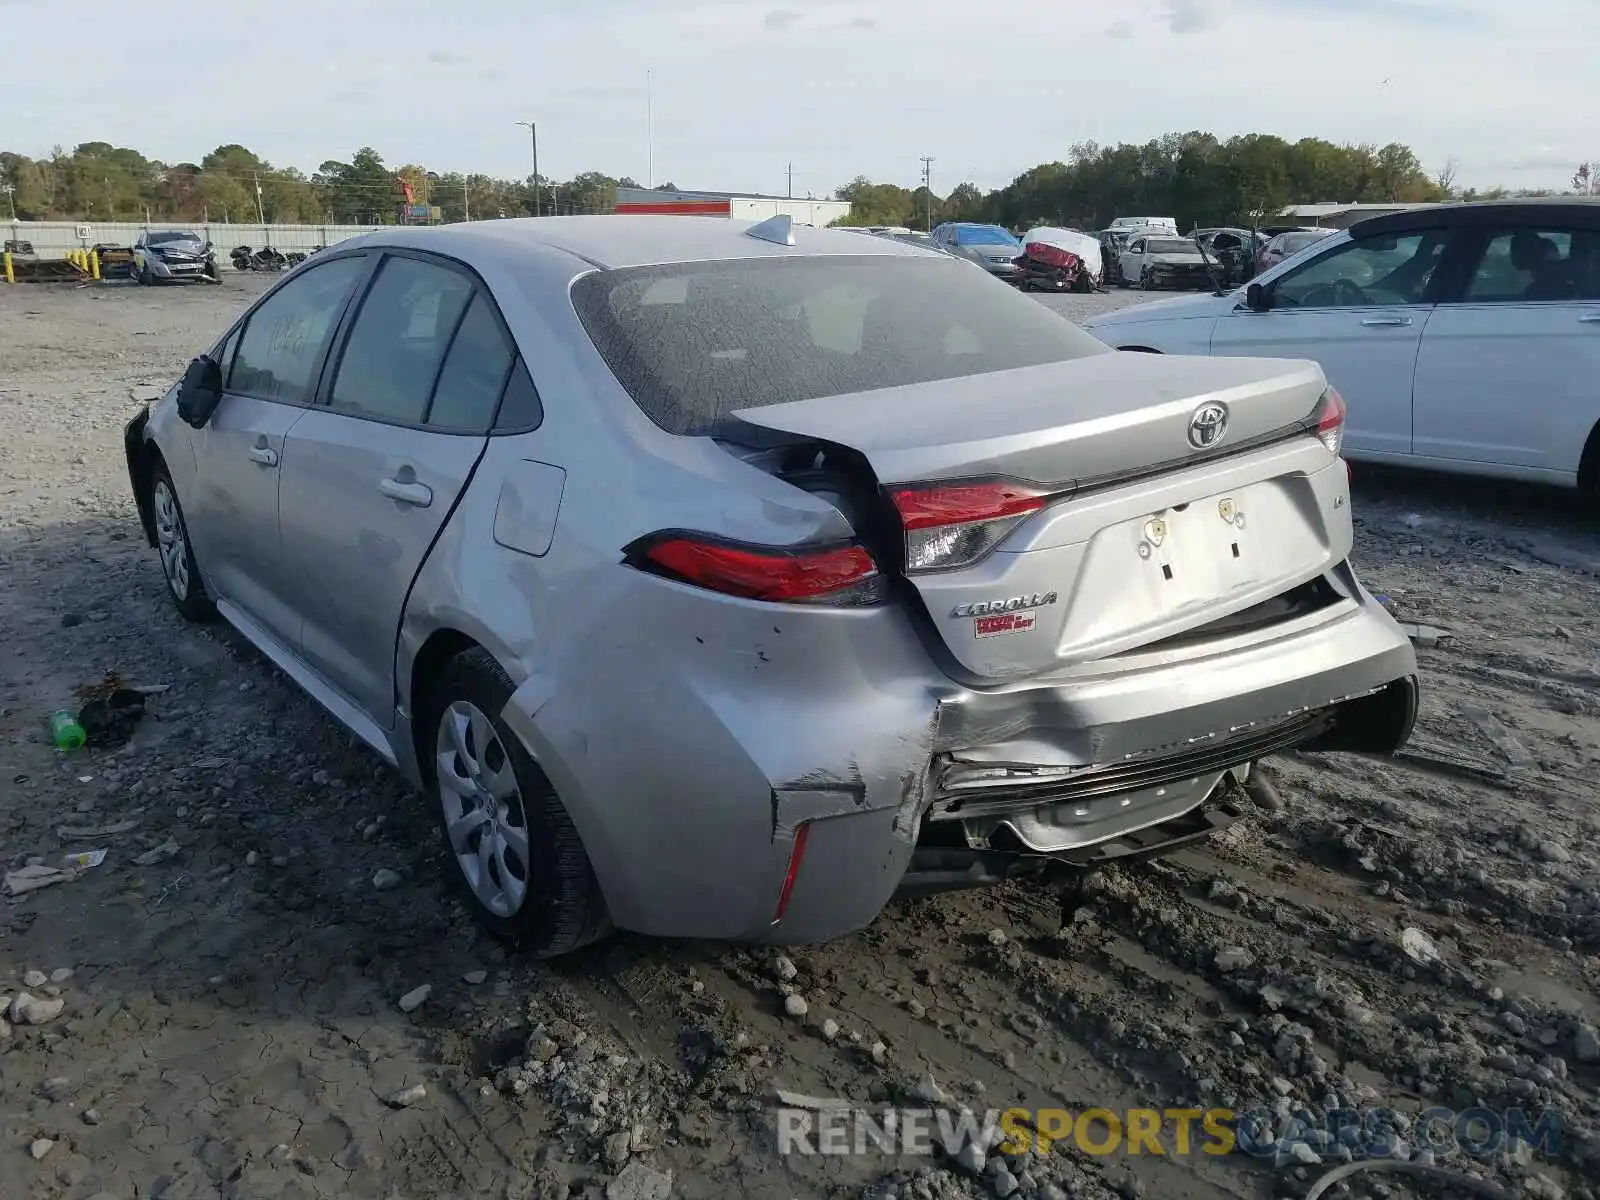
1125	553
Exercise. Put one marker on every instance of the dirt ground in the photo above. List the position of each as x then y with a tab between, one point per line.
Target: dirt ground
1407	933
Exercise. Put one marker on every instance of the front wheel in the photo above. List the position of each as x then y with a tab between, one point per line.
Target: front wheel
518	860
1145	284
184	585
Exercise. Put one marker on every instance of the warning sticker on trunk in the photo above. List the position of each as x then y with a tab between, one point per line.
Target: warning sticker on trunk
1012	622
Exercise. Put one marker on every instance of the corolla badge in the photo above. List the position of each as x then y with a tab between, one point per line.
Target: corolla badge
1206	427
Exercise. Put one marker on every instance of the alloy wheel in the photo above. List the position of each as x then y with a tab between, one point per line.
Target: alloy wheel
483	811
171	540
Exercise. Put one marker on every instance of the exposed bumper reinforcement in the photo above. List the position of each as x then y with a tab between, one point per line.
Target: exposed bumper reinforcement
938	869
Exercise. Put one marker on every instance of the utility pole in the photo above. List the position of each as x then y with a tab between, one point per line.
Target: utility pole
533	136
649	133
261	214
927	183
791	181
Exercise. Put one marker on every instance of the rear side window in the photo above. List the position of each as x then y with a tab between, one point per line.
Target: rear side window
693	342
398	341
520	407
474	372
283	339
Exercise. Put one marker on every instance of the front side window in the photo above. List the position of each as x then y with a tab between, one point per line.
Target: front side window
398	341
1383	271
283	338
691	343
1537	265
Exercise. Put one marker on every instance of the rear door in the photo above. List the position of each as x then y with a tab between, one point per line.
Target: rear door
271	364
1506	374
1358	309
376	466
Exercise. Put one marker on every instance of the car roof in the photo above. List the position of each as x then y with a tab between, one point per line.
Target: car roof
626	240
1568	210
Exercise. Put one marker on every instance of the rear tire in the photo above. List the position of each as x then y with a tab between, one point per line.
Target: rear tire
513	851
178	565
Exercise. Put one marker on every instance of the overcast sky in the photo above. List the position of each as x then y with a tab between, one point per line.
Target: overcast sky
741	88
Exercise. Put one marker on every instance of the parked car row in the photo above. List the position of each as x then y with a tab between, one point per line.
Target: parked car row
727	581
1463	337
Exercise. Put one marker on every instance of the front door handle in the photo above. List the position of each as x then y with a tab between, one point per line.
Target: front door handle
418	495
1374	321
1589	319
265	455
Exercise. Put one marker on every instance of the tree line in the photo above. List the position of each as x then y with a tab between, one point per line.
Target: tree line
97	181
1195	177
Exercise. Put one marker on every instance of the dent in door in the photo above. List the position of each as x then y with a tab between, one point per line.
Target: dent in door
530	500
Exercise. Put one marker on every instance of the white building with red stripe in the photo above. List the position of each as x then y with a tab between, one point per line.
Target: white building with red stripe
744	206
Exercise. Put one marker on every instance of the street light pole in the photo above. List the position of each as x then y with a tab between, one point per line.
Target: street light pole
533	136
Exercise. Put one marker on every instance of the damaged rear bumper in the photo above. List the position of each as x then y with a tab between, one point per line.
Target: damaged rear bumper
787	795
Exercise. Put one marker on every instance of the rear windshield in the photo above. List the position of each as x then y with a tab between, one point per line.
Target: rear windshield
692	342
985	235
1294	242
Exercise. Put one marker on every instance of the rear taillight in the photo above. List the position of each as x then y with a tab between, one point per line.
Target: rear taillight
1330	421
842	576
955	524
797	854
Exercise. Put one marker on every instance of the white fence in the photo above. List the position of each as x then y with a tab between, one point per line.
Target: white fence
52	239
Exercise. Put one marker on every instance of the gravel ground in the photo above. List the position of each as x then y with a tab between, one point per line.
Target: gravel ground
1415	932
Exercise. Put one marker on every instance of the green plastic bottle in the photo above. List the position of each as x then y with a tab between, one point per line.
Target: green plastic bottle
66	731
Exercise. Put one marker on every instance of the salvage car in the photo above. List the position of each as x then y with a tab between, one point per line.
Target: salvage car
168	255
728	581
1162	261
993	248
1286	245
1059	260
1465	337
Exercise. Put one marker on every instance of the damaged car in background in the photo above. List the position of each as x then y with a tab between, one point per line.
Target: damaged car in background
729	581
1159	260
1059	260
169	255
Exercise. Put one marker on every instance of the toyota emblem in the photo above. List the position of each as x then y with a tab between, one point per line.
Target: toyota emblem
1206	427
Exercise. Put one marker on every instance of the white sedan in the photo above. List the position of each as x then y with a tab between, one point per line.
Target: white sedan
1463	337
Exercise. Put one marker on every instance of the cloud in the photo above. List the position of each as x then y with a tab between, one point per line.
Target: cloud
445	58
1423	13
780	19
864	23
1187	16
1539	158
1120	30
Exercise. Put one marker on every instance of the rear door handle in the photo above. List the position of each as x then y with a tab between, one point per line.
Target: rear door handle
418	495
1373	321
265	455
1589	319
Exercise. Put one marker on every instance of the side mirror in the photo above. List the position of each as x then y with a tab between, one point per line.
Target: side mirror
1256	298
200	392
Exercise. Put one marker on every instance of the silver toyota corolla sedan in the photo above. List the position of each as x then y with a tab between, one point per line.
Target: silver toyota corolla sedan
727	581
